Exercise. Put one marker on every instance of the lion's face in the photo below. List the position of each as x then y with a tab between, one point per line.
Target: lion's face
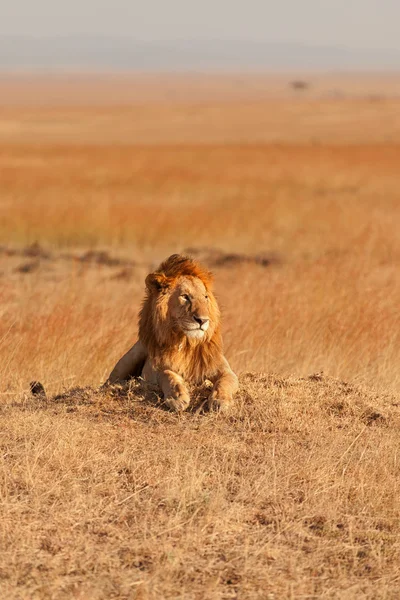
179	303
191	308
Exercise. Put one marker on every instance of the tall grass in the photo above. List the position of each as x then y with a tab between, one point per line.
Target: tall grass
331	214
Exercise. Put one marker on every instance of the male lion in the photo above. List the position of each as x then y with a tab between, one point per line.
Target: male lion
179	337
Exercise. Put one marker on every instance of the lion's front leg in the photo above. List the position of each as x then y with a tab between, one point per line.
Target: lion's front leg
130	365
175	392
225	387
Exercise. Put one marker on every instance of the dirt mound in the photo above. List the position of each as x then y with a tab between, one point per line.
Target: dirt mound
275	400
316	397
213	257
34	250
38	255
99	257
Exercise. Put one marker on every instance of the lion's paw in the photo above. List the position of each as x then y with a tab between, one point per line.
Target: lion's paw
220	402
178	403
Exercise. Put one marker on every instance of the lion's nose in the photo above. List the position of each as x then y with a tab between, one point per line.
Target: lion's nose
201	320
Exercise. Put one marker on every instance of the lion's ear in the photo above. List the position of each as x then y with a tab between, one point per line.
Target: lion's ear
156	282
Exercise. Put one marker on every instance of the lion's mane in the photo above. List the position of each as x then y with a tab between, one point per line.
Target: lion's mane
170	349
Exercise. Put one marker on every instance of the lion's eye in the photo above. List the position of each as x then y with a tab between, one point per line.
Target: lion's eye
186	296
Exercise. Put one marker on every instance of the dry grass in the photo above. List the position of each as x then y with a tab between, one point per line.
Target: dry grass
296	494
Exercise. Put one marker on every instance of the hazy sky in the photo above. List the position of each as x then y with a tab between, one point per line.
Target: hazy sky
351	23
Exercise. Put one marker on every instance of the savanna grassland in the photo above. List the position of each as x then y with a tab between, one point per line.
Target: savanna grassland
292	198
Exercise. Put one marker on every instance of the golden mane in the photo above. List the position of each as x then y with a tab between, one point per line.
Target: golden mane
167	347
178	265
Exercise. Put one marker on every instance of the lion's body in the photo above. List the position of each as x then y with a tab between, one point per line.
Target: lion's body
179	336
